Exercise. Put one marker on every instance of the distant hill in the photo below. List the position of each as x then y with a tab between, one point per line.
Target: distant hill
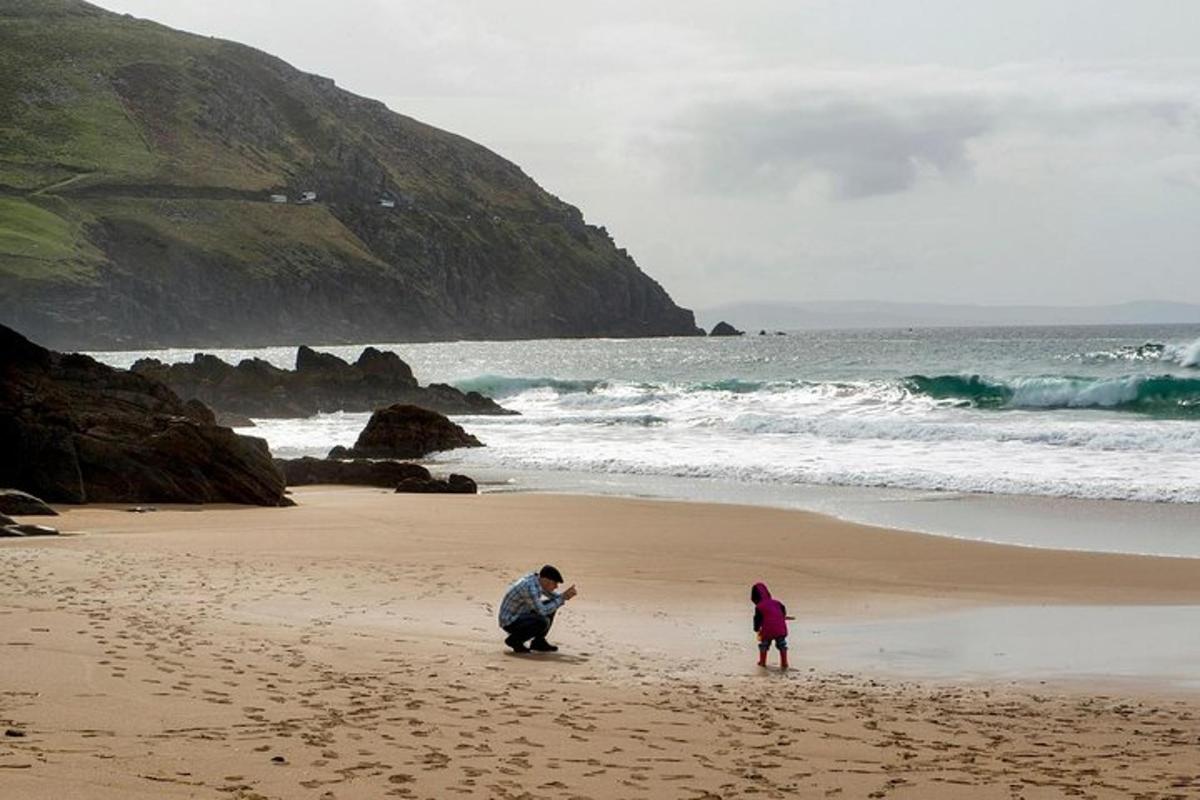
137	165
869	314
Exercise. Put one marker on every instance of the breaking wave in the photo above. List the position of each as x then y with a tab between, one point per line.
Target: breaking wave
1161	395
1165	396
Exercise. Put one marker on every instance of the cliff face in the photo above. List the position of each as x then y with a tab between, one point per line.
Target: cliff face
137	165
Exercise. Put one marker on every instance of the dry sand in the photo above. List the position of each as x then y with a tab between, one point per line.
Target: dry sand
347	648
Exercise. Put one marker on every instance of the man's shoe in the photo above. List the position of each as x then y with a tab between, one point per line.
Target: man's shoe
517	646
542	646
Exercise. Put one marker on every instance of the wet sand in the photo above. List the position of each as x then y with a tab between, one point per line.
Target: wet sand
348	648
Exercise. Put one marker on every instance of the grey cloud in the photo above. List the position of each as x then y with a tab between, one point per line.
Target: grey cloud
875	133
863	148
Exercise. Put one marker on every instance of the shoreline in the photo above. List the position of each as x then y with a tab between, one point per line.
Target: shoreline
353	639
1084	525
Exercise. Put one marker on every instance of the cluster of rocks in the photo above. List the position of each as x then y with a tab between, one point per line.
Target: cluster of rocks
396	432
320	382
725	329
73	430
400	475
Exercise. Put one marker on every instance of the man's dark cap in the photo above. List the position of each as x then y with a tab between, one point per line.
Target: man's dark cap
551	573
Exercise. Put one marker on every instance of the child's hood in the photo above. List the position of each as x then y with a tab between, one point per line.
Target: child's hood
759	593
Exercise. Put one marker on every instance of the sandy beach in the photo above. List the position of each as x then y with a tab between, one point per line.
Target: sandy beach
347	648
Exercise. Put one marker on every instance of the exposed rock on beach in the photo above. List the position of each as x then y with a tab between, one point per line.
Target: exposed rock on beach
22	504
73	430
405	431
358	472
403	476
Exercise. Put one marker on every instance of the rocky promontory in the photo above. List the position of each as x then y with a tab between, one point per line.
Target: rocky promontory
162	189
73	430
320	382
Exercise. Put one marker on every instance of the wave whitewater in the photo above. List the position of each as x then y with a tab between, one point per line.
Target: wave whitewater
1184	355
499	386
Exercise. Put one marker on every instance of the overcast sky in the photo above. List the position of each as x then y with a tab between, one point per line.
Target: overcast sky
962	151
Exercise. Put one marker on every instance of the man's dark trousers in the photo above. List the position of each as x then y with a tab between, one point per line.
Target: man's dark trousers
527	626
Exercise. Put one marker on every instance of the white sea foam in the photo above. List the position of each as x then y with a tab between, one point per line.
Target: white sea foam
1185	355
962	467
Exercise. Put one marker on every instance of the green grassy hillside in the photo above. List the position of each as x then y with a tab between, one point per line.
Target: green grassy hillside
136	167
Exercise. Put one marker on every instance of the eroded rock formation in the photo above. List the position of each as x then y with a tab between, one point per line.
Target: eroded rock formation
320	382
73	430
404	431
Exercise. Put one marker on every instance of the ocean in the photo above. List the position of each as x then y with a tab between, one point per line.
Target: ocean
818	419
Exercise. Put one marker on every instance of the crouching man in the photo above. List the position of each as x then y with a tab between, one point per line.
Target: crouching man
528	608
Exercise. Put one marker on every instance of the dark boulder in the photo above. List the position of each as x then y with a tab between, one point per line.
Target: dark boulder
461	484
320	382
362	472
22	504
405	431
310	361
455	484
73	430
725	329
385	365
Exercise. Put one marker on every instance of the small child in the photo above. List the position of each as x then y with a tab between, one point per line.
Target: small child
770	621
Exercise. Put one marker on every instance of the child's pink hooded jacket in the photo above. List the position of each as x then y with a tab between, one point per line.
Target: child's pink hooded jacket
770	615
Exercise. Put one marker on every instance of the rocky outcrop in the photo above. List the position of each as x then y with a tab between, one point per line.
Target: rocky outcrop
73	430
21	503
455	484
723	328
320	382
310	471
404	431
400	475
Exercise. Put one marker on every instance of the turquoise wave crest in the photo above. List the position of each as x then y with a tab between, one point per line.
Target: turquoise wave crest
1161	395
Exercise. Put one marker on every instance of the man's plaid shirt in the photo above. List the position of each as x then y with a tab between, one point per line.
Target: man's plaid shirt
525	597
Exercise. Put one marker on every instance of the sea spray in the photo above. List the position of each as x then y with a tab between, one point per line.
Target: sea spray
1190	356
1185	355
